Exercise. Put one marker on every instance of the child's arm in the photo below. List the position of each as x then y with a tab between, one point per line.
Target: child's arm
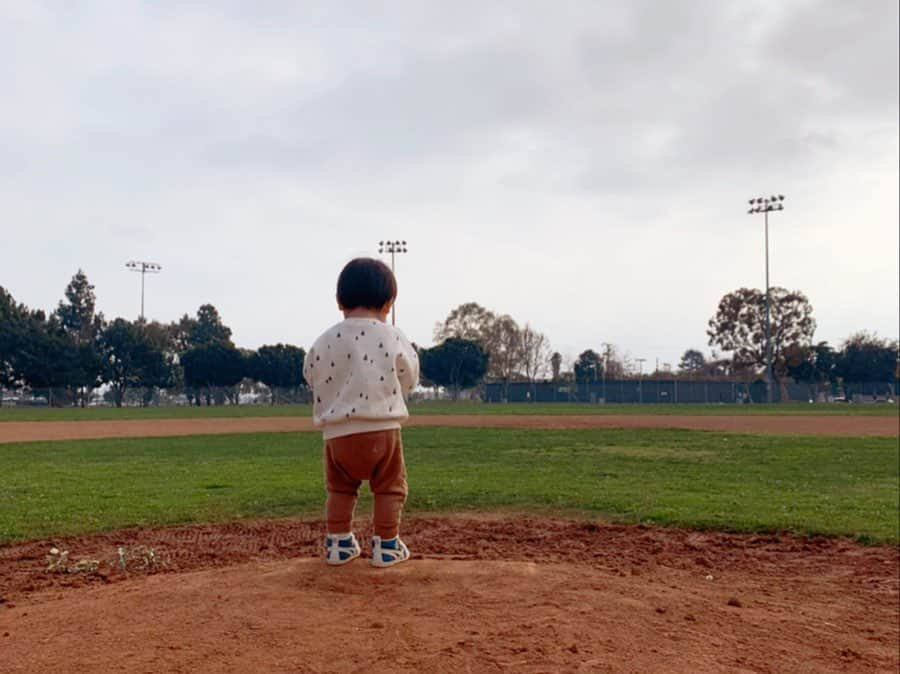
407	365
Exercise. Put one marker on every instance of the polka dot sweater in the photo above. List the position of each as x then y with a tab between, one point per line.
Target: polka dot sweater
359	371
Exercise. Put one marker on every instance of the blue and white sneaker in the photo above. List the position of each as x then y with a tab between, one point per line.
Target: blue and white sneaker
341	548
388	551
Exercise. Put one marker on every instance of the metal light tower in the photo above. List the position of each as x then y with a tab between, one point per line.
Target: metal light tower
394	248
144	268
765	205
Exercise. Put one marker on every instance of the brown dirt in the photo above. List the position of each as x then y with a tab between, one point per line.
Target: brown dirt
24	431
485	594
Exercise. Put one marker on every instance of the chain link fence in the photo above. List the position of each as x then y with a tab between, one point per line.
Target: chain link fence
675	391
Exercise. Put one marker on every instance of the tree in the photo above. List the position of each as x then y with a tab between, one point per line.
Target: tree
692	362
588	367
505	352
498	335
180	333
739	328
88	374
160	374
77	313
45	357
78	319
556	364
211	365
614	364
867	357
455	364
190	332
208	327
278	367
468	321
813	364
165	374
13	317
535	355
130	359
717	368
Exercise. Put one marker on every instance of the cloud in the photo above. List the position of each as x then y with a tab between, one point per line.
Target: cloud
526	148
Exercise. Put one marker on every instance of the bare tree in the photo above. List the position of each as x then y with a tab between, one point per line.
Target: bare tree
614	364
467	321
505	346
535	355
500	337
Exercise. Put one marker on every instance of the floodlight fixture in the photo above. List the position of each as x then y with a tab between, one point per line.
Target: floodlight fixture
394	247
143	268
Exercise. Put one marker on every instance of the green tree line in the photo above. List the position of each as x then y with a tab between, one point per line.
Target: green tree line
74	350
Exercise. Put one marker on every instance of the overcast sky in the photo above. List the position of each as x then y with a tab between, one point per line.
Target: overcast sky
582	166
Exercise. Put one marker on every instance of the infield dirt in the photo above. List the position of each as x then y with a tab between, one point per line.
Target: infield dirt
26	431
482	594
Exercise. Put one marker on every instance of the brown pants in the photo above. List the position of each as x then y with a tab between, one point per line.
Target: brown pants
376	457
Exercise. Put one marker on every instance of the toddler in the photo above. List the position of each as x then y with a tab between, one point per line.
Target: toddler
359	371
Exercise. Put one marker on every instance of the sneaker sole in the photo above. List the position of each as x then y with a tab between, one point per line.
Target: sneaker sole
383	565
341	562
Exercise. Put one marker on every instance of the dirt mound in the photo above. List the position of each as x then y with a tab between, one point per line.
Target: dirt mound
482	594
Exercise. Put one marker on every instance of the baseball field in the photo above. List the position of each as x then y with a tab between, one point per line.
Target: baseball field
557	538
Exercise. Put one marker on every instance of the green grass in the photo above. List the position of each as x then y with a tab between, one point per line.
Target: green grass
441	408
809	485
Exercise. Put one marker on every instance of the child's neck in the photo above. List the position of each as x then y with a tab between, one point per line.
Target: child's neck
363	312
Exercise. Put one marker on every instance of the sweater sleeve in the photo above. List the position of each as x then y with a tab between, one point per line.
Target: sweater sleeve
407	365
308	367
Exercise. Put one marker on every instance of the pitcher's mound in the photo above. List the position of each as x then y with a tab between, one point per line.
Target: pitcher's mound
631	599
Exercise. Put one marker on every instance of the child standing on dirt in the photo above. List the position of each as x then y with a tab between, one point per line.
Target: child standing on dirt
359	371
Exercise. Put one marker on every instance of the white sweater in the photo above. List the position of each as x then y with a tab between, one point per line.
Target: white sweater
359	371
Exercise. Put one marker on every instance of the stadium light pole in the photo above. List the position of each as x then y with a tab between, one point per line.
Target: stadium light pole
394	248
766	205
144	268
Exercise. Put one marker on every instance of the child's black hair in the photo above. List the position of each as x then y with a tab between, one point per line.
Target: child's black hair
367	283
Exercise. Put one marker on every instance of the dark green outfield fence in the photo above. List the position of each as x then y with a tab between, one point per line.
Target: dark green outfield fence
657	391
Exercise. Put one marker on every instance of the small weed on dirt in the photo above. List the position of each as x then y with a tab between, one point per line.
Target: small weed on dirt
58	562
140	558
